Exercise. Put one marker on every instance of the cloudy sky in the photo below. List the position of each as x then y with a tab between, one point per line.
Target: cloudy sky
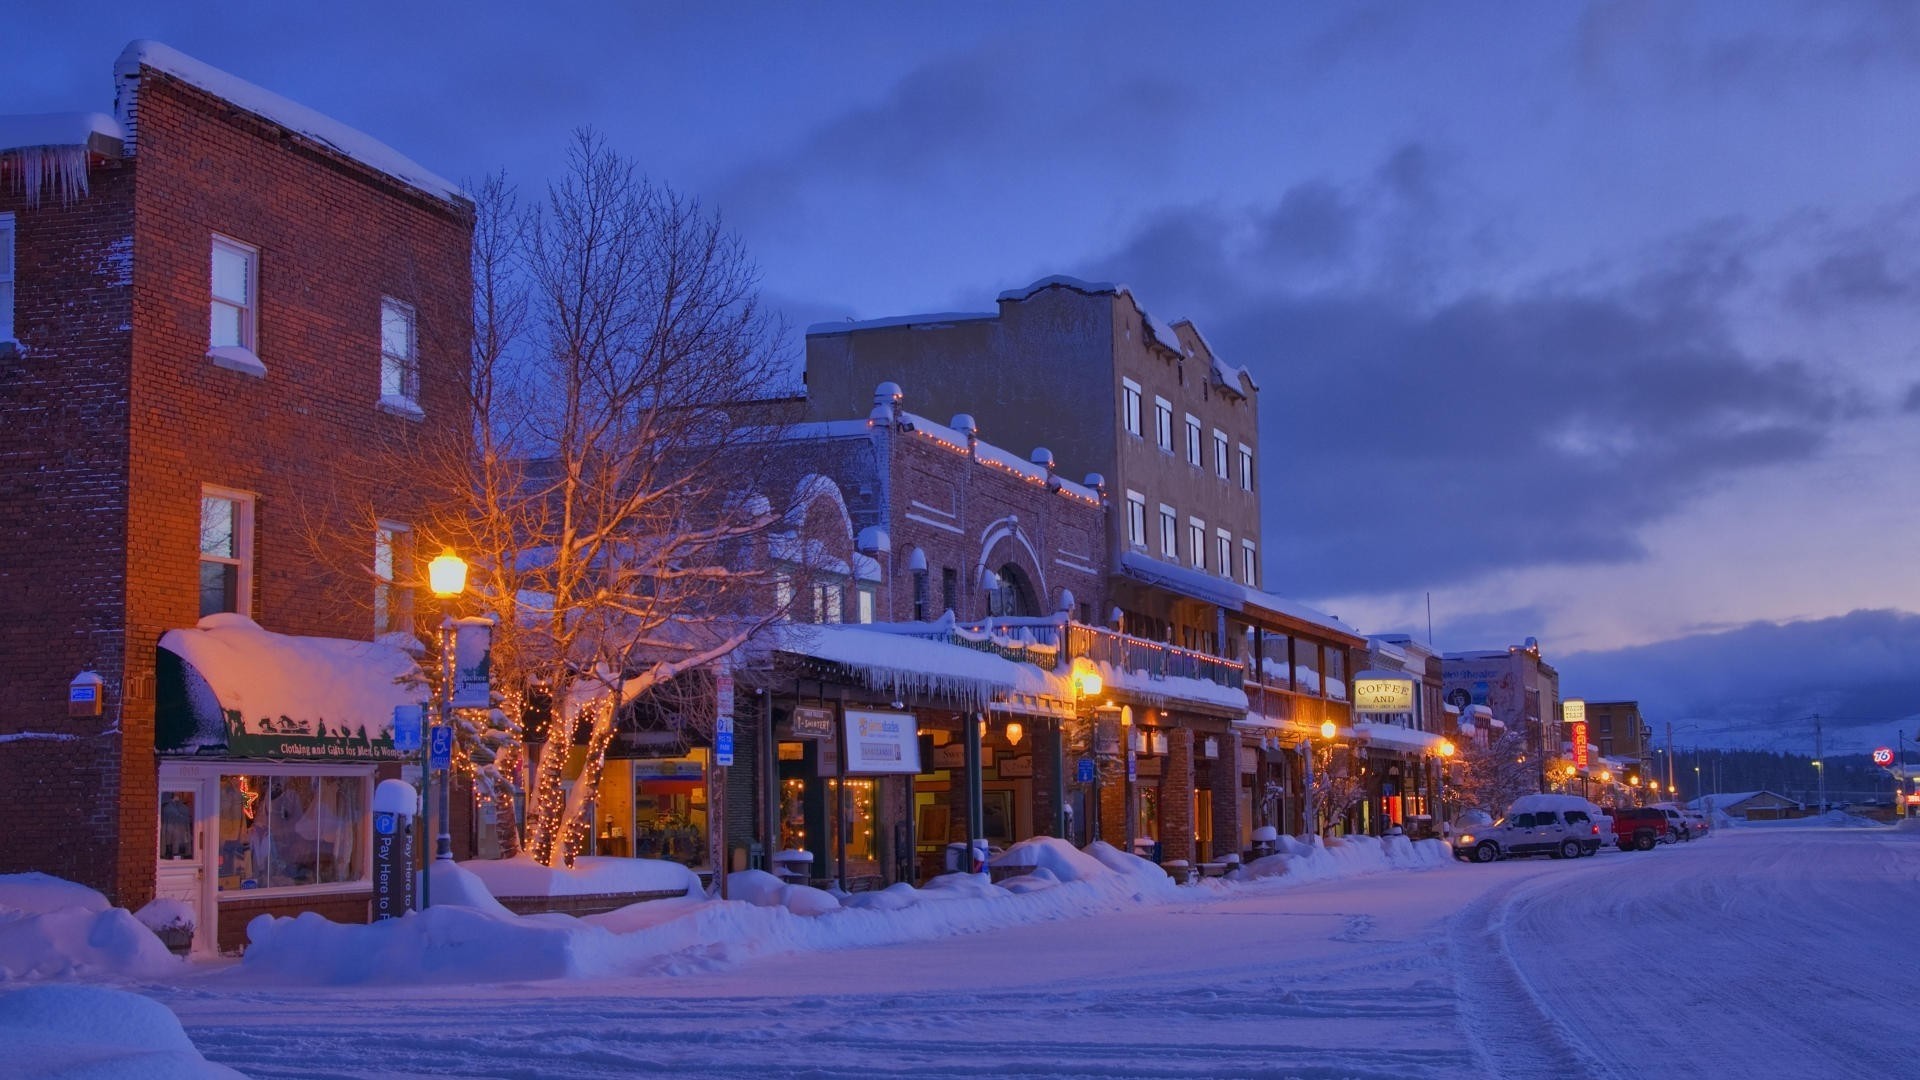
1594	323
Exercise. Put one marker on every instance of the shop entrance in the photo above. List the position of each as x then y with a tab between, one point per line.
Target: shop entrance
182	871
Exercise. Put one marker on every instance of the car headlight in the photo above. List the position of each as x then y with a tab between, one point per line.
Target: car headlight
1466	838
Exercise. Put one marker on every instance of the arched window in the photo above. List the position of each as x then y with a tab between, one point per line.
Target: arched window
1012	594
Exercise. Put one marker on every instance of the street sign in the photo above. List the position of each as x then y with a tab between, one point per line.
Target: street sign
723	748
1133	766
440	754
406	726
1083	772
1882	757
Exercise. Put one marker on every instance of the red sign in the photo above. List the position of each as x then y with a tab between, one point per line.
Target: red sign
1579	743
1883	757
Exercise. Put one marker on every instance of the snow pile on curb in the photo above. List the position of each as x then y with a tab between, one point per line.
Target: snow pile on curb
76	1032
763	916
1348	856
593	875
55	929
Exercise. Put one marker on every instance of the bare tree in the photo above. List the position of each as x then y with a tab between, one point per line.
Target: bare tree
1337	785
616	530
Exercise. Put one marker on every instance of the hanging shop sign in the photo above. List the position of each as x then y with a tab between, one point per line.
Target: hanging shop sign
882	743
1578	729
1381	693
472	664
812	722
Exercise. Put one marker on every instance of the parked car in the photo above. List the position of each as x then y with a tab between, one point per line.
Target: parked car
1678	827
1637	828
1562	834
1599	824
1697	823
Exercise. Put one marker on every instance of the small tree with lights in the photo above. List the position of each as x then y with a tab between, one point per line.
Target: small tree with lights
1493	775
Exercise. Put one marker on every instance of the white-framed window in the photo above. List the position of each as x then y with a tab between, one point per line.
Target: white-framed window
6	277
1223	553
1246	467
1249	565
392	561
783	596
826	604
399	356
1130	405
1136	519
293	829
864	604
1163	423
235	300
1219	453
1197	543
1193	440
1169	532
226	551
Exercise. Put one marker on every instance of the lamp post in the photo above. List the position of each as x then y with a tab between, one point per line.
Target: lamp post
1086	685
1327	731
1446	750
447	575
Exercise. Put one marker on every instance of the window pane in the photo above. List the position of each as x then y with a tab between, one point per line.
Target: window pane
393	378
339	855
292	833
216	526
383	554
176	825
243	809
230	276
396	330
219	588
226	326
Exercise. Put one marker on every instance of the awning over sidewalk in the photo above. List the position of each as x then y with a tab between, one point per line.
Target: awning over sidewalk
910	666
230	687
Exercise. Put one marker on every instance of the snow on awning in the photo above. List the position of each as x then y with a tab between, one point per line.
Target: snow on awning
229	686
1236	597
915	667
1395	737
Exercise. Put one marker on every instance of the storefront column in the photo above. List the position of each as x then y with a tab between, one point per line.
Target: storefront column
976	818
1176	797
769	776
1226	795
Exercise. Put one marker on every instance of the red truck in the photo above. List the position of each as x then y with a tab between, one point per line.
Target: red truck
1640	828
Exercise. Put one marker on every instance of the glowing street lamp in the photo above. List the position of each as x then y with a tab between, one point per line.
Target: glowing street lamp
447	576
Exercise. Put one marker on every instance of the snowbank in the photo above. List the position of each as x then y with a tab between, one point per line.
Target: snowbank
763	916
54	929
87	1032
1349	856
591	876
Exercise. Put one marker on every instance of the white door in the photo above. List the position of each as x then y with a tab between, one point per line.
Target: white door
186	813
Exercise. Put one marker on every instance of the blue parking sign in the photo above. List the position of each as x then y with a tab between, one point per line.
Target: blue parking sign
440	754
1084	771
723	748
406	726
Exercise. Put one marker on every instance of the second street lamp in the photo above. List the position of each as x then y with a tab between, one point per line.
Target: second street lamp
447	575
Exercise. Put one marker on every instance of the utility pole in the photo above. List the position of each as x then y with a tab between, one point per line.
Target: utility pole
1669	755
1819	762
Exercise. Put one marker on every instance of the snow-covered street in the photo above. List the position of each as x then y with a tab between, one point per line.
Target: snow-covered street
1764	951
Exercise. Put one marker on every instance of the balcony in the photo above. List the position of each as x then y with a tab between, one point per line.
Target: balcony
1040	641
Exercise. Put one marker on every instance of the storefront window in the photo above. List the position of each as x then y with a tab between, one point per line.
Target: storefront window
280	832
176	826
670	809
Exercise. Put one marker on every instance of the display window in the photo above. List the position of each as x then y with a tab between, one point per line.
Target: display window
280	831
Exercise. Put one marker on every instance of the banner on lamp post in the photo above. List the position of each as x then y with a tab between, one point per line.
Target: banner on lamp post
472	664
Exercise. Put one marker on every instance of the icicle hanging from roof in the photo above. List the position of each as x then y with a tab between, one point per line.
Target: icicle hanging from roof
63	169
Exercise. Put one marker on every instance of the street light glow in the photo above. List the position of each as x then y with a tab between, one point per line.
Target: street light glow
447	574
1327	729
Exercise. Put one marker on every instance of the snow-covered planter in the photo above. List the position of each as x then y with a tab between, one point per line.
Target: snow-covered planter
171	921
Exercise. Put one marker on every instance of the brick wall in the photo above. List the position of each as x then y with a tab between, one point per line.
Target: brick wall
103	497
63	484
1176	796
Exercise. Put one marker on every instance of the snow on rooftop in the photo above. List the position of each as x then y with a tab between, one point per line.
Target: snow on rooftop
291	115
1231	374
25	130
996	455
1091	288
1228	374
1226	592
938	318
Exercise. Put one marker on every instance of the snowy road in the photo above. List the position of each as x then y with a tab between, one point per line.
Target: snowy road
1775	953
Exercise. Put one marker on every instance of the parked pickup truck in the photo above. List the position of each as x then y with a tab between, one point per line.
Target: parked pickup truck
1640	828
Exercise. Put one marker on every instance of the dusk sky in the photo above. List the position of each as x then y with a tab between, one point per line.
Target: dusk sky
1594	322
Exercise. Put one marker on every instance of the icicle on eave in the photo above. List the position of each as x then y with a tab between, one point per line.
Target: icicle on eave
61	169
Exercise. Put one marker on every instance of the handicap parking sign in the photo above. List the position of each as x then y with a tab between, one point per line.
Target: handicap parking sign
440	754
1084	772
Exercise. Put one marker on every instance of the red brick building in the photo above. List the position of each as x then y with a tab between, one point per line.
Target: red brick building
210	302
